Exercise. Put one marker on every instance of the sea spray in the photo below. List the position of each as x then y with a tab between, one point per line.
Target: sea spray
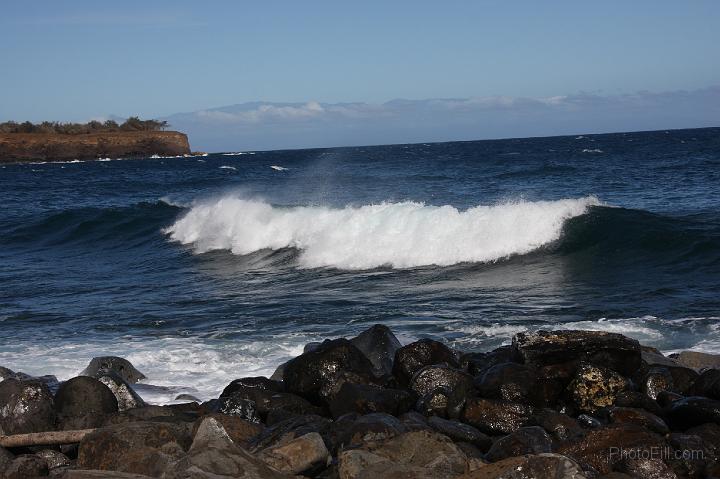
401	235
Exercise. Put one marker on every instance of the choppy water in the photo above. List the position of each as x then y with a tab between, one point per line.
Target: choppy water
200	270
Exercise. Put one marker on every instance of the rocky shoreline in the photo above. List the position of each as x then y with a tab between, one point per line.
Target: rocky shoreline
553	404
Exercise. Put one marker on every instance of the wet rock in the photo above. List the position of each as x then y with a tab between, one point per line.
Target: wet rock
83	403
515	382
697	360
637	399
236	405
692	411
602	448
526	440
454	384
367	398
541	466
666	398
476	363
710	434
560	426
595	387
6	373
646	467
707	384
418	454
121	366
589	422
25	406
187	397
297	455
460	432
413	357
496	417
213	455
53	459
437	402
318	375
150	413
608	350
138	447
269	400
379	345
371	428
292	428
259	382
657	379
26	466
624	415
242	432
126	396
681	377
414	421
690	455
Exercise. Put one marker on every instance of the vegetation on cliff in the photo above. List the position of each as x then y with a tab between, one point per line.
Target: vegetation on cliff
53	127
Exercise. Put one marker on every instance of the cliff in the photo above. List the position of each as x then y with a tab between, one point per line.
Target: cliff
18	147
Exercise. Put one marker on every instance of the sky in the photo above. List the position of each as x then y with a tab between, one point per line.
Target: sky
73	61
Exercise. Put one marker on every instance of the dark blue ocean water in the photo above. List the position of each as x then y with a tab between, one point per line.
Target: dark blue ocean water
203	269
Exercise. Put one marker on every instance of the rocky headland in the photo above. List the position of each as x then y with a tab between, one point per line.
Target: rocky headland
24	147
553	404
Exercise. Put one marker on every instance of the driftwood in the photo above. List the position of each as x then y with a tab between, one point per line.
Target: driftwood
44	438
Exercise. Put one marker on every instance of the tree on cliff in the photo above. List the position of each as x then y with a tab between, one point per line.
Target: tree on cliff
53	127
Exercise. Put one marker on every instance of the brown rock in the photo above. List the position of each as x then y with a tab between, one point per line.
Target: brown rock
83	403
526	440
595	387
237	428
496	417
297	455
698	360
541	466
367	398
413	357
26	466
624	415
25	406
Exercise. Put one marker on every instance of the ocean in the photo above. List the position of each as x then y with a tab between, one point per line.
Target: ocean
201	270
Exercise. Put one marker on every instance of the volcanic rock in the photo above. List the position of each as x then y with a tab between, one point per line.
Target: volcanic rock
25	406
268	401
623	415
594	387
238	429
475	363
496	417
126	396
698	360
541	466
379	345
121	366
561	426
517	382
26	466
83	403
707	384
692	411
425	352
460	432
297	455
367	398
526	440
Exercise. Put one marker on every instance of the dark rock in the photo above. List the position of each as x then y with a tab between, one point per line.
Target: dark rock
6	373
379	345
496	417
637	399
236	405
666	398
366	399
413	357
608	350
437	402
646	467
371	428
258	382
414	421
707	384
150	413
602	448
318	375
26	466
292	428
476	363
595	387
681	377
710	434
187	397
624	415
6	457
121	366
460	432
541	466
53	459
589	422
526	440
268	401
279	373
454	383
297	455
692	411
690	455
657	379
139	447
95	474
242	432
519	383
697	360
126	396
561	426
83	403
25	406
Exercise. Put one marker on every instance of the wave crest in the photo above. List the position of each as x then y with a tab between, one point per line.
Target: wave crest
401	235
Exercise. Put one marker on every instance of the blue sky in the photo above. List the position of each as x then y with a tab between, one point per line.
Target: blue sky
83	59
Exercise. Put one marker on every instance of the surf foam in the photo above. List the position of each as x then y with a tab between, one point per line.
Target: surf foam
400	235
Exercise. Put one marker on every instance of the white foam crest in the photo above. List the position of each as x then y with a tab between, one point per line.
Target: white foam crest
401	235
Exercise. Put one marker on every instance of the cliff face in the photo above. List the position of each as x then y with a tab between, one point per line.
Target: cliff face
15	147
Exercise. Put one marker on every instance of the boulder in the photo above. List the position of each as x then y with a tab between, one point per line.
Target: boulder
53	459
439	402
710	434
656	380
519	383
666	398
319	374
150	413
589	422
297	455
697	360
646	467
425	352
370	428
692	411
379	345
258	382
492	416
541	466
460	432
121	366
83	403
636	399
560	426
25	406
679	377
236	405
476	363
269	400
213	455
126	396
242	432
625	415
690	455
6	457
26	466
414	421
417	454
443	389
526	440
609	350
595	387
138	447
707	384
603	448
368	398
294	427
